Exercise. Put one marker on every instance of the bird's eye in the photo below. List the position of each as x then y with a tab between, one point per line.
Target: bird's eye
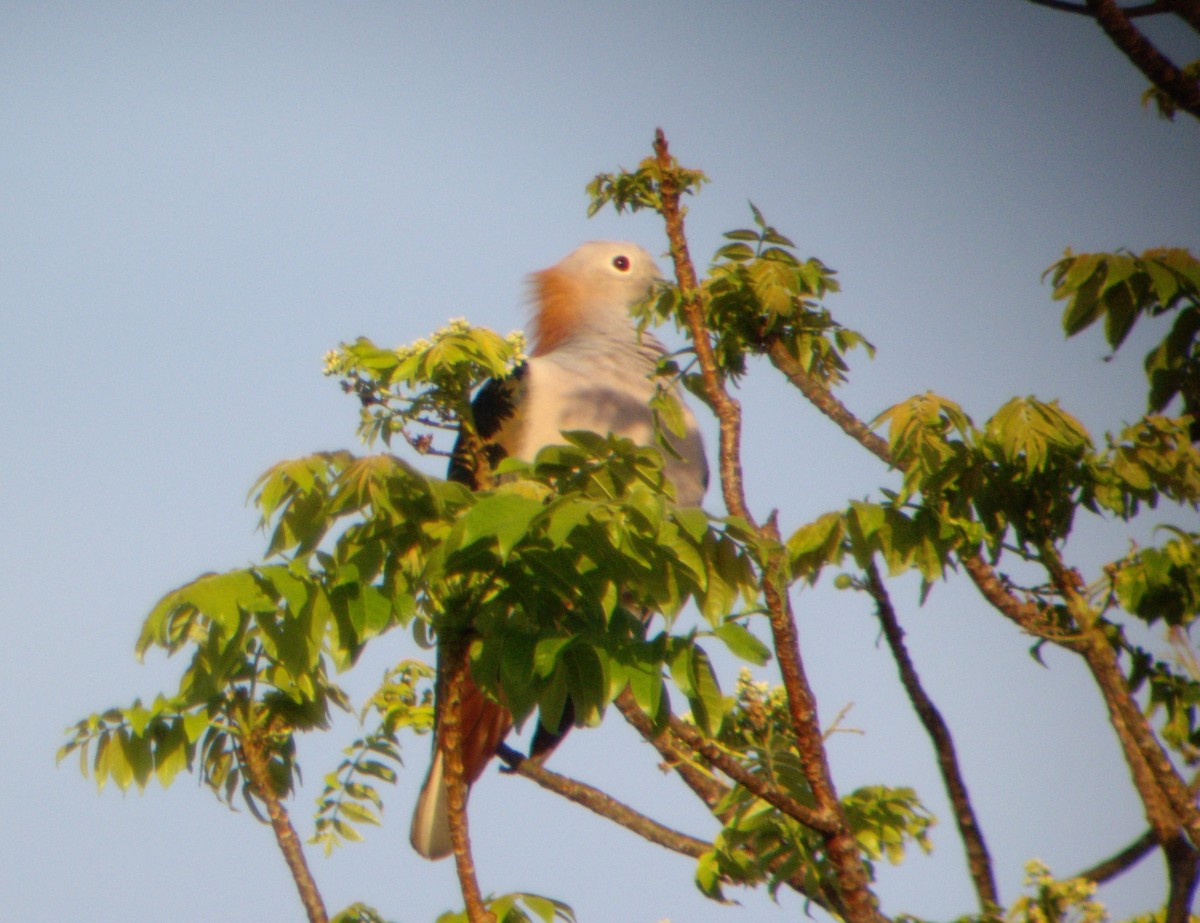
621	263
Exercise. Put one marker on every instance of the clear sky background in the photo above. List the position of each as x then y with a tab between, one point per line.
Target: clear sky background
198	200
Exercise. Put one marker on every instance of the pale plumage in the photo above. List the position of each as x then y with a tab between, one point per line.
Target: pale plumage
589	370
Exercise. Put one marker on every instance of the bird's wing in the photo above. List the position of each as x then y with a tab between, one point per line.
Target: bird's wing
497	421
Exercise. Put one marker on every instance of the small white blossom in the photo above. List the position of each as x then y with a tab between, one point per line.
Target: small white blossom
516	339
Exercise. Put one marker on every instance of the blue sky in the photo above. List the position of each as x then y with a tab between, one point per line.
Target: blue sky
198	200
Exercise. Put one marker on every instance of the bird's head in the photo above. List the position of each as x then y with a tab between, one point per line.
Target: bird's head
589	292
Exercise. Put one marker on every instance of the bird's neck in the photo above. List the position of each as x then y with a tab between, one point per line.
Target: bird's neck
616	347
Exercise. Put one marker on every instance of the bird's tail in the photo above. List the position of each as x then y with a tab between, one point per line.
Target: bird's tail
484	724
430	831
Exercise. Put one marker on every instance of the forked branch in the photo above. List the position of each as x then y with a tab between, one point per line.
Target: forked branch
840	844
1169	805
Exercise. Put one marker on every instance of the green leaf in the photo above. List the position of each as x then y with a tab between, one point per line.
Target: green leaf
816	544
707	704
587	683
547	653
743	643
503	517
1122	312
553	699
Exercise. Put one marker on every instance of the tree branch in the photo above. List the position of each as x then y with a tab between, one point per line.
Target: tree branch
1183	874
817	820
1065	6
256	762
726	408
1167	800
1126	859
978	860
823	399
840	844
1187	10
603	804
1157	67
608	807
1169	803
722	761
707	788
452	678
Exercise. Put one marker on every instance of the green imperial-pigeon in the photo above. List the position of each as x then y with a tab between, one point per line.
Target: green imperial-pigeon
590	369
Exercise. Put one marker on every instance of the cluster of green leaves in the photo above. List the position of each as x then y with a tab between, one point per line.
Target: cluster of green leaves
760	844
257	667
557	565
759	293
1017	482
519	908
1162	584
641	188
1053	900
350	796
1121	287
424	385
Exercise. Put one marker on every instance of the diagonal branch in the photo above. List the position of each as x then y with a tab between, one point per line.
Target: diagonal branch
978	860
603	804
705	786
713	754
608	807
1160	70
720	760
823	399
1066	6
255	760
1122	861
1169	801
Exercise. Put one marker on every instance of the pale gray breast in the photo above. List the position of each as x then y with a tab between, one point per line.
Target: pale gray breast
593	395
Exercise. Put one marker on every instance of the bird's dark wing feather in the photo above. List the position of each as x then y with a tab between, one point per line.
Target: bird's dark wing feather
495	404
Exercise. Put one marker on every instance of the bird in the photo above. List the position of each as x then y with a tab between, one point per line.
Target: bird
589	368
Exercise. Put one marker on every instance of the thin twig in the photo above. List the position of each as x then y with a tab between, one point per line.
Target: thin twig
821	821
610	808
1120	862
978	860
